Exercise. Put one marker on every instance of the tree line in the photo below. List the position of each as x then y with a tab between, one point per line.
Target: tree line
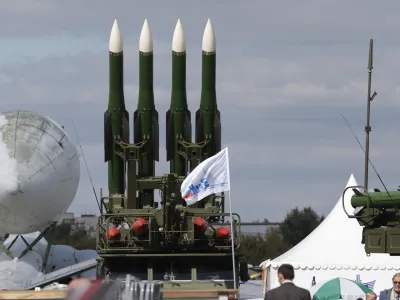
65	234
276	240
297	224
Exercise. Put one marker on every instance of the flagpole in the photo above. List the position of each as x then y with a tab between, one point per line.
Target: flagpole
231	217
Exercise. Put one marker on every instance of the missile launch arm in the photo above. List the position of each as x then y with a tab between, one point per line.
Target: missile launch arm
194	153
125	127
156	137
137	127
107	137
217	130
199	126
188	128
169	136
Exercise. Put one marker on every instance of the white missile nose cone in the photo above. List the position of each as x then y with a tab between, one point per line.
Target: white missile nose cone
209	44
178	40
146	38
115	39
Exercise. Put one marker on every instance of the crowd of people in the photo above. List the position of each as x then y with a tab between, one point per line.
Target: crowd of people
289	291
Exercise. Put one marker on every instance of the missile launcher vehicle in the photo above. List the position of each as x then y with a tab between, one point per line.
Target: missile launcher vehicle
183	246
379	215
378	211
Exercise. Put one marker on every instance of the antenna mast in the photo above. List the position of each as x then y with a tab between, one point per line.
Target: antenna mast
369	99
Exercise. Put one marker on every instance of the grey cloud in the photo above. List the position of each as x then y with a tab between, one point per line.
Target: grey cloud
285	22
268	81
284	76
82	19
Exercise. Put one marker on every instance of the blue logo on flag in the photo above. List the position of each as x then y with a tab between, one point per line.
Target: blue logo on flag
193	190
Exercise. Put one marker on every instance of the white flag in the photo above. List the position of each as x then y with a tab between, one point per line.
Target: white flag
209	177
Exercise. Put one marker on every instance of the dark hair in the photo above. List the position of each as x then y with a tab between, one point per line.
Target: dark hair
287	271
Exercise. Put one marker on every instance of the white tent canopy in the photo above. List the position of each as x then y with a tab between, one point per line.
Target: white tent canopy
334	249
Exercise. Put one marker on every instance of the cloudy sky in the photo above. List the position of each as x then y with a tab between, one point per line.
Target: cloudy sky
285	72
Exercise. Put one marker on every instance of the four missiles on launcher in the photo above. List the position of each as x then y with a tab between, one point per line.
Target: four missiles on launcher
146	115
178	117
116	118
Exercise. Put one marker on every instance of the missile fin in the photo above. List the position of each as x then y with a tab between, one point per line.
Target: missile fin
125	127
137	127
199	127
156	138
357	192
108	142
217	131
170	139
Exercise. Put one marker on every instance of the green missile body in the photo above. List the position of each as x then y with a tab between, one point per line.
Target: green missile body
116	118
178	118
208	121
146	116
376	200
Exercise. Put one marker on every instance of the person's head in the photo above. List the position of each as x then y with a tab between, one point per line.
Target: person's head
371	296
396	283
285	272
